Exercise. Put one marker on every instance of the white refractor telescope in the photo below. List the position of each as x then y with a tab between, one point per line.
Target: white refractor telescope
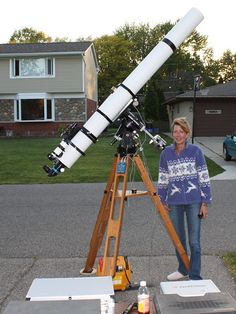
76	142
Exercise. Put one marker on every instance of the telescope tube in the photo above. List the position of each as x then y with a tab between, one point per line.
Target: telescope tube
66	154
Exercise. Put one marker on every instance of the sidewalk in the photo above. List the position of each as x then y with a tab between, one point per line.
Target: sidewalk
212	147
153	269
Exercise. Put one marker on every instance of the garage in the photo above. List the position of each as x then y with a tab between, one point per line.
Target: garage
213	110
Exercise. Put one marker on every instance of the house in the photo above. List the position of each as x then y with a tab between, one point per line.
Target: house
214	109
45	86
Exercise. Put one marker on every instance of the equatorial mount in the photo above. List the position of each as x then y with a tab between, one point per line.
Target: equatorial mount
127	135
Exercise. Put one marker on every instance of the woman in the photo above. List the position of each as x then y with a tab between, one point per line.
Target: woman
184	189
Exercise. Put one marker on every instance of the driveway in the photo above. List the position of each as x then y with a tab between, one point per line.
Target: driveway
213	148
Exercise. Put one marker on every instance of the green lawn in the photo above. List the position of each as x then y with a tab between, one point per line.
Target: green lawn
22	160
230	262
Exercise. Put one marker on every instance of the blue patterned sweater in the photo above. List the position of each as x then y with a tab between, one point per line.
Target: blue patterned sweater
183	178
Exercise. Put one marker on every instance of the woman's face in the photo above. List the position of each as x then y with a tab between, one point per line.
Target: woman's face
179	135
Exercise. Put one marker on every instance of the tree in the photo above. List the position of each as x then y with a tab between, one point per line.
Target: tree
29	35
178	71
115	63
227	65
153	109
61	40
151	102
188	58
140	36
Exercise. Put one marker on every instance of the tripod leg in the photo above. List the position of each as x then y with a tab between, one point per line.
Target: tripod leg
160	208
115	223
101	222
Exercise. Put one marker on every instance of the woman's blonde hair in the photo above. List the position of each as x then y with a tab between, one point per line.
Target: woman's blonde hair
183	123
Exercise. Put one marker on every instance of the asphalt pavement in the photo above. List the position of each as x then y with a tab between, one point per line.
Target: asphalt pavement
46	229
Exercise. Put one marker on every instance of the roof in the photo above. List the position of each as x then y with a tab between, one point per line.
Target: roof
220	90
225	90
8	50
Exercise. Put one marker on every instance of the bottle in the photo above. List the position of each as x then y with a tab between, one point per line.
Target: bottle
143	298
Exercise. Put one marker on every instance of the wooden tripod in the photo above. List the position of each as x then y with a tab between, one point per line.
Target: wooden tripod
110	215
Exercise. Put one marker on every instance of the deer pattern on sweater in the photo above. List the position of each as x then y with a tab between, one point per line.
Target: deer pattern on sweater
184	178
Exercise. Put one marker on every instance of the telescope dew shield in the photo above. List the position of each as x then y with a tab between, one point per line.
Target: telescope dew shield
115	104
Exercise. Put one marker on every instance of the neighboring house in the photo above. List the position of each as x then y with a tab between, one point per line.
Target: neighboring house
214	109
45	86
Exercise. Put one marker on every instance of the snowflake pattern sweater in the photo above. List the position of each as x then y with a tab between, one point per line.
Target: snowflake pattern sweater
183	179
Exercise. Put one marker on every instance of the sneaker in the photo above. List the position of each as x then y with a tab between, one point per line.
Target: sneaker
176	276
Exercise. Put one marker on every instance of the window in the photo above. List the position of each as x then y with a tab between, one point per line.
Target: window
34	109
33	67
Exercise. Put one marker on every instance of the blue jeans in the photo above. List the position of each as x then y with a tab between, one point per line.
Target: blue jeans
177	214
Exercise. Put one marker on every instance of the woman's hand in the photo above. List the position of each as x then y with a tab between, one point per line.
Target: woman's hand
204	210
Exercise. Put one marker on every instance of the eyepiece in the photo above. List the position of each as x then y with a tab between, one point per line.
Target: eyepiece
52	172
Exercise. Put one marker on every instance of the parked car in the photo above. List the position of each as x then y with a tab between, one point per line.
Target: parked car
229	147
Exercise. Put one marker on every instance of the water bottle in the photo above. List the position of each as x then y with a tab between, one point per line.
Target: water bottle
143	298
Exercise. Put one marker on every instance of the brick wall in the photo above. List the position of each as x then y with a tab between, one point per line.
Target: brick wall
66	111
91	107
6	110
70	109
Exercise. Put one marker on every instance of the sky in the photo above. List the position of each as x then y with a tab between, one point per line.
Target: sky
93	18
